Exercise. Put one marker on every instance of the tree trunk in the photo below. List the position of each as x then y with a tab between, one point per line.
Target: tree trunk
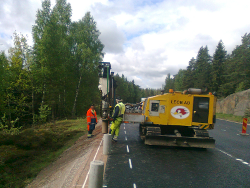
77	92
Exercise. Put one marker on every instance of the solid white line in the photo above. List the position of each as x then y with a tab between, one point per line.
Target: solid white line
127	149
130	163
134	185
125	132
89	168
126	138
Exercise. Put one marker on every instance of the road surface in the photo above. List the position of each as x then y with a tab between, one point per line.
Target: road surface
133	164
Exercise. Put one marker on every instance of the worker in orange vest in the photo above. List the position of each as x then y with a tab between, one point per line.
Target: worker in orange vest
91	120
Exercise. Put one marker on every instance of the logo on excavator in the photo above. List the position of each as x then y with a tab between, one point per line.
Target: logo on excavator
180	112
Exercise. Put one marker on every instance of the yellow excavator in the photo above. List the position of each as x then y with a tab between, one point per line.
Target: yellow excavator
177	119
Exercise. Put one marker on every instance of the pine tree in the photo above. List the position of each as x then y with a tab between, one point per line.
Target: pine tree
202	69
169	83
189	75
219	59
178	80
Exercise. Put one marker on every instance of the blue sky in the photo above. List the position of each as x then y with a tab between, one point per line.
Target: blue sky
144	40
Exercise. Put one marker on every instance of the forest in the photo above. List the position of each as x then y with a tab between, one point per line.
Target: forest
221	73
57	77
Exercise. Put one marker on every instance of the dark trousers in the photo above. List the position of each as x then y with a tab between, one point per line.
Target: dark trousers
91	128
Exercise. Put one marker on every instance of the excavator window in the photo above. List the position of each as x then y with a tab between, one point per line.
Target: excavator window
155	107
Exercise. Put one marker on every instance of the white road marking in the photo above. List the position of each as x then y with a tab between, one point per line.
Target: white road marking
239	160
130	163
134	185
89	169
126	138
243	162
124	127
127	149
105	186
125	132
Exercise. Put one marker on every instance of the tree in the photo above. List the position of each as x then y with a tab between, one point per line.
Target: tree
169	83
19	86
219	59
189	75
202	69
178	80
87	48
4	81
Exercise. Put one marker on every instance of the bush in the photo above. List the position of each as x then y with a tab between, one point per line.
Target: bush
9	129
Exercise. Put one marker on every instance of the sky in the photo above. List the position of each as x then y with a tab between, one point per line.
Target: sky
144	39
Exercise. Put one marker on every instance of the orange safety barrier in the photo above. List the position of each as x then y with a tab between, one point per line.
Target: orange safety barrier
244	127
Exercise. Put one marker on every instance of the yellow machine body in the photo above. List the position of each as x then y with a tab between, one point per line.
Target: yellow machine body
181	109
178	119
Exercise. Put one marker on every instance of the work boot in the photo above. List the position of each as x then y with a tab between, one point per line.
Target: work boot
89	135
114	139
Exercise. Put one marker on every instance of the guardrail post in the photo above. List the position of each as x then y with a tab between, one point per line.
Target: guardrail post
106	143
96	174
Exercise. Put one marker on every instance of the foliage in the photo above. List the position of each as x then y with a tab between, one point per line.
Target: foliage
9	129
44	112
130	92
223	73
58	76
230	117
25	154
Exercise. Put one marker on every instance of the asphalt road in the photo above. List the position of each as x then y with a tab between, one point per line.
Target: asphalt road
133	164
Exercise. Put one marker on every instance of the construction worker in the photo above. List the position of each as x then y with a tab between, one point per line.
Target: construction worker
91	120
117	119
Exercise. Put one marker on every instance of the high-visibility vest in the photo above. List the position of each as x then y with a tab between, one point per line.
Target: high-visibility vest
91	116
121	108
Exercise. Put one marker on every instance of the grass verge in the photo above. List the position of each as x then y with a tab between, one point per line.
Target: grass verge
23	156
230	117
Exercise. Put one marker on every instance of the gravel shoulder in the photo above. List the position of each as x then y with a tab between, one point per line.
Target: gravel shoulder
71	168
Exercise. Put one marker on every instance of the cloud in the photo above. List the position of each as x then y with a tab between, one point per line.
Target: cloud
145	39
111	37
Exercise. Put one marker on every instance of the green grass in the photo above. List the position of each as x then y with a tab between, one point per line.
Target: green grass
230	117
23	156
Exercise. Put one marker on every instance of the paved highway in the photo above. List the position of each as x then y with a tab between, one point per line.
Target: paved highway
133	164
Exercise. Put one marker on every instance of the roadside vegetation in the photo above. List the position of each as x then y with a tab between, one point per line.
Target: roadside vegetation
56	78
224	73
231	117
24	155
